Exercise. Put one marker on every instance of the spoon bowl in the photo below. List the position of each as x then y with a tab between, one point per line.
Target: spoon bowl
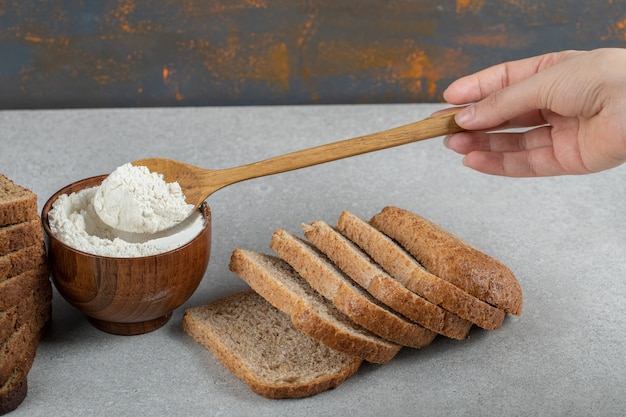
198	183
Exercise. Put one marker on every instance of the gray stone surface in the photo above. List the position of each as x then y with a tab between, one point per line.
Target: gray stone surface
565	239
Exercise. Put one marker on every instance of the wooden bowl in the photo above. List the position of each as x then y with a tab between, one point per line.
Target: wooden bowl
127	296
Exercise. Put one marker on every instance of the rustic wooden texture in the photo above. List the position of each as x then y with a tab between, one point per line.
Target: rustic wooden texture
76	53
127	296
199	183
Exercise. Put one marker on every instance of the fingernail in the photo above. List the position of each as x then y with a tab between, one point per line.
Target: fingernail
445	141
465	115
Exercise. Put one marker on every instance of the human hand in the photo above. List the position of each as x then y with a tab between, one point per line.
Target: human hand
573	102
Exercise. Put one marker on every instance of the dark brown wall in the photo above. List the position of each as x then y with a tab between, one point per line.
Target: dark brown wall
93	53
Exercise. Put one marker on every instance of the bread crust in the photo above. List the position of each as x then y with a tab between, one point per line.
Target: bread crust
20	261
36	305
309	311
19	348
18	352
17	204
19	236
402	266
13	392
452	259
346	295
359	266
14	289
198	324
25	301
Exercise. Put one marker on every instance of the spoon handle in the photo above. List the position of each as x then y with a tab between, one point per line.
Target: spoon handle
431	127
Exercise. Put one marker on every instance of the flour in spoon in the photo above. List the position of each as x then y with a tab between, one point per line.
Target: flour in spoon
133	199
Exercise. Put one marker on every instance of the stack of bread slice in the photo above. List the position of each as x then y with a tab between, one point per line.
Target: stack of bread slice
25	290
361	289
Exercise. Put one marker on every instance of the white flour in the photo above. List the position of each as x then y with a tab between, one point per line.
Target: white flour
133	199
74	221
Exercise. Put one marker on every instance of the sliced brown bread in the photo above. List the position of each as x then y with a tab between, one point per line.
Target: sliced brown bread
14	391
361	268
17	204
314	315
34	307
14	289
25	290
262	347
18	352
27	321
19	349
452	259
401	265
346	295
22	260
19	236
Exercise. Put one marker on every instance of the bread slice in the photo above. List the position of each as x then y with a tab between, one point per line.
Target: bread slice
346	295
15	263
360	267
25	323
261	346
19	236
14	391
37	306
402	266
14	289
281	285
19	349
452	259
17	204
8	323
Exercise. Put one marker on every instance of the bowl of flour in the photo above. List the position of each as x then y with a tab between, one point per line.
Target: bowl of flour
125	282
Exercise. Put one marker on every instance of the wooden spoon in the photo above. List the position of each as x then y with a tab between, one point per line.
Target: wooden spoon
199	183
